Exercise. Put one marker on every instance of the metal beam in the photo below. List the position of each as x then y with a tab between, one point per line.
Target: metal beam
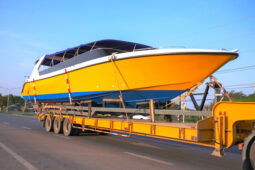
69	109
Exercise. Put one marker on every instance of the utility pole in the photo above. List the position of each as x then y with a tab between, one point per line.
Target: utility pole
8	100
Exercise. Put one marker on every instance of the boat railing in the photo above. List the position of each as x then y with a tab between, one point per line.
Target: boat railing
110	51
114	49
161	47
141	49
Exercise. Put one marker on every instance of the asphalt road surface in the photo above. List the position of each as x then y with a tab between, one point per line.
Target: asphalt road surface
24	144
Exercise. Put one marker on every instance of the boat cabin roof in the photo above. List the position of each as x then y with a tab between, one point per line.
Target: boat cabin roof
109	45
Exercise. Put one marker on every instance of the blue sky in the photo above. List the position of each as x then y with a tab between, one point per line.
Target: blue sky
30	29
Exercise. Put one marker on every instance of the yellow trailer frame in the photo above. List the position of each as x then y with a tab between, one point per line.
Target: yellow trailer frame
230	124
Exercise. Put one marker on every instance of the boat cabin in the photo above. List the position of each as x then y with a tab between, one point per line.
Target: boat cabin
86	52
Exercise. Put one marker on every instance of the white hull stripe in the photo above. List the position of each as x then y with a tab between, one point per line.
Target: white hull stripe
128	55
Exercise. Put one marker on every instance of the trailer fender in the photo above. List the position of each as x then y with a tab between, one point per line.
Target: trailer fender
41	117
248	141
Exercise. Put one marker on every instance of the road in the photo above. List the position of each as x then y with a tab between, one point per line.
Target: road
24	144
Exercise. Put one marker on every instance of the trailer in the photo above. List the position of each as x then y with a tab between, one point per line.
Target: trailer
229	124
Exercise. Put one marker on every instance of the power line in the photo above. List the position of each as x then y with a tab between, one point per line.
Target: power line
241	84
246	87
241	88
236	69
1	87
233	22
233	37
233	88
198	100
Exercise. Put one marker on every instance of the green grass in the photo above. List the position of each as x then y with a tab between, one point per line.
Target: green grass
18	113
187	118
192	119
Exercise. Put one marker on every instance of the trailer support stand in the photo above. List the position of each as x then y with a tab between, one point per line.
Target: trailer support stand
152	111
220	134
89	103
201	106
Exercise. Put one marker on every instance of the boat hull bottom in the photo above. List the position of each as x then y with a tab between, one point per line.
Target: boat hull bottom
131	96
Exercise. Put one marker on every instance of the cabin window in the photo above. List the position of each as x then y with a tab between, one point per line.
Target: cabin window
43	67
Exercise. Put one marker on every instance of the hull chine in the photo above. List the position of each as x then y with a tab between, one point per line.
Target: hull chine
128	96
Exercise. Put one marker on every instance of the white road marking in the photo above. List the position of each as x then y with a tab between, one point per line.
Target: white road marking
148	158
18	158
145	144
24	127
6	123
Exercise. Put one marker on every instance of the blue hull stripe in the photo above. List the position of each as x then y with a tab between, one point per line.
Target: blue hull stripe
129	96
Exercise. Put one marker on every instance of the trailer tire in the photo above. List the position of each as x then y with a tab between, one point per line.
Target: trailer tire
68	129
252	154
48	124
57	125
248	155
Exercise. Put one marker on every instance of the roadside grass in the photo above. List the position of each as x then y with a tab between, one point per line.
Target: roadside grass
19	113
187	118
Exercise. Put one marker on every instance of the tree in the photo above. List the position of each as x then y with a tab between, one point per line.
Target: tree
241	97
236	97
12	100
251	97
1	101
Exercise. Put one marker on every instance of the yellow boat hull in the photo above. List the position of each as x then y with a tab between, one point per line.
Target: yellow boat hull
172	72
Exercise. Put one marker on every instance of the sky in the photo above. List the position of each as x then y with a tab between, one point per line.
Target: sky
30	29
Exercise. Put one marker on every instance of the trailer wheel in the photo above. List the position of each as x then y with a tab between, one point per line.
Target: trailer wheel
248	154
252	154
57	125
48	124
68	130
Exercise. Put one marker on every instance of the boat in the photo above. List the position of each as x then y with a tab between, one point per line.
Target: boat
104	69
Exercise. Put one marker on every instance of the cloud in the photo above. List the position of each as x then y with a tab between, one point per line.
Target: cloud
9	34
25	40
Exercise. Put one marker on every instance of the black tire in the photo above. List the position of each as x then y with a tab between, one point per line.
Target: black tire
57	126
48	124
44	123
248	155
68	129
252	154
